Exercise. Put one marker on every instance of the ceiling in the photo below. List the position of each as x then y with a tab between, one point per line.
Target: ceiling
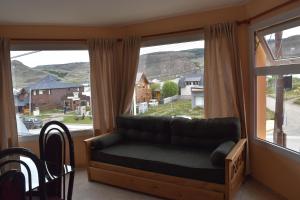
99	12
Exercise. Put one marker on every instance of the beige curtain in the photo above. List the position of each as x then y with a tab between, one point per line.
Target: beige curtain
113	71
8	127
223	81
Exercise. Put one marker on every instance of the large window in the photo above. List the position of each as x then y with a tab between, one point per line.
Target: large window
51	85
277	55
170	81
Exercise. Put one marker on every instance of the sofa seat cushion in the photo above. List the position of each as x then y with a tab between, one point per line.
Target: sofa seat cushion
186	162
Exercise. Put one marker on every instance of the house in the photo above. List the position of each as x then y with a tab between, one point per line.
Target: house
51	93
273	169
21	99
191	87
190	81
142	88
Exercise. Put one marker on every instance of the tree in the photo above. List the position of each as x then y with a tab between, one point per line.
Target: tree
154	86
169	89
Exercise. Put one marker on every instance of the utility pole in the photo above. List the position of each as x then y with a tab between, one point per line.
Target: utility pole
279	137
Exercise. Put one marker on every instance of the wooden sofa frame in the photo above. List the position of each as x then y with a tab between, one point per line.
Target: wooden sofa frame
171	187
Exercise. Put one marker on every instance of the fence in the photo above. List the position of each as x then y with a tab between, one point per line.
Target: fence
170	99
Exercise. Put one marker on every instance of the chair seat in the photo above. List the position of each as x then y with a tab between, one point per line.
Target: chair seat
171	160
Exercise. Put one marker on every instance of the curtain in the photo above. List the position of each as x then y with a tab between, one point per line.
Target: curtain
224	95
8	127
113	72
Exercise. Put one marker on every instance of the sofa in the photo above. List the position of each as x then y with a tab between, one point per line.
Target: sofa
174	158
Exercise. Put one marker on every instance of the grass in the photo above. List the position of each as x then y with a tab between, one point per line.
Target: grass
69	118
289	94
176	108
297	101
72	119
269	114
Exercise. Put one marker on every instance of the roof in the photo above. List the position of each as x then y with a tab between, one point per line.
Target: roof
190	78
139	75
51	82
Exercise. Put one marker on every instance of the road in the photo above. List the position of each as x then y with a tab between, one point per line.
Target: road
291	125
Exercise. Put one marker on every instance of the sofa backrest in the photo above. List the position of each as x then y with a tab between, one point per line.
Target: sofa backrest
145	128
207	133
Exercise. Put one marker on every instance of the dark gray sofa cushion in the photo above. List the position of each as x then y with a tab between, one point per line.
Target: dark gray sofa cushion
193	163
106	141
205	133
145	128
218	156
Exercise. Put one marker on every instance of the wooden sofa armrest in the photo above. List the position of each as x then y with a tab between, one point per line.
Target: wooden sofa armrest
236	151
235	168
87	143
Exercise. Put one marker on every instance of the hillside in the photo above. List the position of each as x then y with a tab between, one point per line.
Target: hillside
169	65
71	72
23	76
162	65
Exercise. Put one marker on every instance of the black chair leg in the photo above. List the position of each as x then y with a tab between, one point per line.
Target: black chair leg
70	188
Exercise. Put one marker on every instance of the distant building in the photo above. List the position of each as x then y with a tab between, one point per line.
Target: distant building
21	99
191	87
51	93
142	88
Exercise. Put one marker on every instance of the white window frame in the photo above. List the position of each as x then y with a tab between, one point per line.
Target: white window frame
261	71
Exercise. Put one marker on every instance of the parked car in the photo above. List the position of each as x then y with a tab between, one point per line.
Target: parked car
32	122
153	102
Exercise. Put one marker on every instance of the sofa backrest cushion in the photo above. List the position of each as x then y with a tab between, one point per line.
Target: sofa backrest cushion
145	128
205	133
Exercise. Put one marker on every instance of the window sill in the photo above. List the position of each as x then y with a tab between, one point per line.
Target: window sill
278	149
87	132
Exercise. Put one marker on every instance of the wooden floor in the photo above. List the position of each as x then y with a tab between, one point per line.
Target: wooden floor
83	189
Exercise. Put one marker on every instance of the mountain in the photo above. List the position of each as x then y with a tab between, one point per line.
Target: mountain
70	72
160	65
23	75
171	64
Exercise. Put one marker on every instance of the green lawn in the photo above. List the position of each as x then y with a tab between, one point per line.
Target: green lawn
270	114
176	108
72	119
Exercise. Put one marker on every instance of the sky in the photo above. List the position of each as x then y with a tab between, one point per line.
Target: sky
35	58
286	33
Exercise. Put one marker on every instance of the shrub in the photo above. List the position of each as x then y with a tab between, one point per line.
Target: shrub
169	89
154	86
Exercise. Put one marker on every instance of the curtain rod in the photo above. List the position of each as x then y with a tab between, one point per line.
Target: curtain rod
246	21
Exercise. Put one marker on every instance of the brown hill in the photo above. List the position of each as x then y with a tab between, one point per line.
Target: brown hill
160	65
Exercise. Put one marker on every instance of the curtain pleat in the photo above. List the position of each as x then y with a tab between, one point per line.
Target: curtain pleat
224	95
113	71
224	88
8	126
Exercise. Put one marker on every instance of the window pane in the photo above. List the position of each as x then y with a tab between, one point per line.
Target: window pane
284	44
51	85
278	110
170	81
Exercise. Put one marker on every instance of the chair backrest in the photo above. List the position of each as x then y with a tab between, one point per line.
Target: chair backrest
16	164
12	185
57	150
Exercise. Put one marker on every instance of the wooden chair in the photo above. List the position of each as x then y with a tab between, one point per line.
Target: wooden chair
16	164
57	152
